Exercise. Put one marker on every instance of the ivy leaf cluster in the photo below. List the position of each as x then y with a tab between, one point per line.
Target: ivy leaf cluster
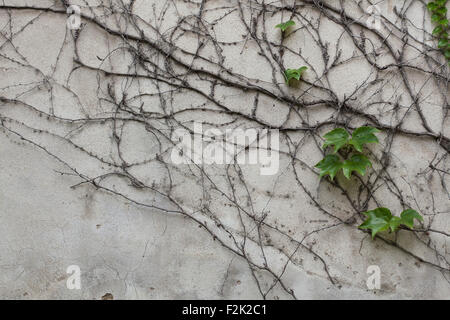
284	25
296	74
381	219
339	138
438	11
290	74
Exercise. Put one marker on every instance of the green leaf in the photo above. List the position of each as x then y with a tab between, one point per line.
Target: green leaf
408	216
442	11
377	220
330	165
394	223
436	17
283	26
437	30
381	219
432	6
447	54
443	22
337	138
363	135
294	74
357	162
443	43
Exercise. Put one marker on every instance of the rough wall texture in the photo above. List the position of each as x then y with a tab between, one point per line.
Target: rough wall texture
87	119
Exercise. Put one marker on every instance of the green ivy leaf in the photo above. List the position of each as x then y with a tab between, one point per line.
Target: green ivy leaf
443	43
447	53
408	216
337	138
377	220
438	30
435	17
283	26
357	162
381	219
363	135
294	74
394	223
442	11
432	6
330	165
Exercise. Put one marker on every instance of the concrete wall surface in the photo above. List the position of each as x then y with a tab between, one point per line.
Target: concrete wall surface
96	97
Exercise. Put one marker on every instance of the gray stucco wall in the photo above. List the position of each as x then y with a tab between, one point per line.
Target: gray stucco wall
87	119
